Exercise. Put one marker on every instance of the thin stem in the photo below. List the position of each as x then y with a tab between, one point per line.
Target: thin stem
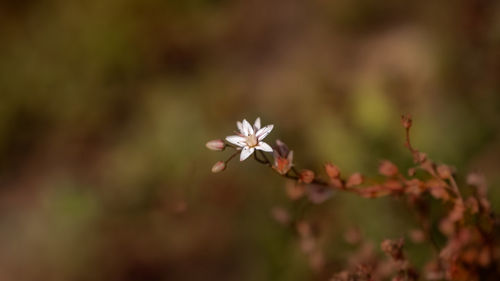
268	163
232	156
265	157
287	175
455	188
259	160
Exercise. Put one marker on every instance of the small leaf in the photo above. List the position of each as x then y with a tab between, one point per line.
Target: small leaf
355	179
332	171
306	176
388	169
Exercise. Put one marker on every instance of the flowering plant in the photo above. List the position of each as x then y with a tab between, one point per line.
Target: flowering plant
469	227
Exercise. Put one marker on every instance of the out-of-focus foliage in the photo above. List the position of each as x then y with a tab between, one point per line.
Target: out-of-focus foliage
105	107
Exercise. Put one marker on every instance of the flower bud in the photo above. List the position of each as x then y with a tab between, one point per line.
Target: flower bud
355	179
332	171
282	164
306	176
216	145
393	248
218	167
388	169
406	121
444	171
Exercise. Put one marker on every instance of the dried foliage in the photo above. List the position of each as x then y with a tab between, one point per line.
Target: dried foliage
470	229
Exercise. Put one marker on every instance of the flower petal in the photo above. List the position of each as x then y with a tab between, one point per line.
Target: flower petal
247	128
240	126
246	152
256	125
237	140
290	157
262	133
264	147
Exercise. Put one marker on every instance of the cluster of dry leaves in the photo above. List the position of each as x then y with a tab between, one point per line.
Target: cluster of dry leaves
471	250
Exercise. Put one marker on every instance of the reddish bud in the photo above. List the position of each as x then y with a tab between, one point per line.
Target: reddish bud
438	189
388	169
406	121
393	185
393	248
337	183
420	157
355	179
282	164
415	187
444	171
283	158
332	171
306	176
218	167
216	145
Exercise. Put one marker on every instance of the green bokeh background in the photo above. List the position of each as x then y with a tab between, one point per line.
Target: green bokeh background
105	107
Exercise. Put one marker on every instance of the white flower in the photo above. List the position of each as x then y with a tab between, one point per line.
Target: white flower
250	138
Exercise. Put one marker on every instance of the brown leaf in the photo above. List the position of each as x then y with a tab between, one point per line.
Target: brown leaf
354	179
444	171
337	183
393	185
306	176
373	191
332	171
438	189
415	187
406	121
388	169
393	248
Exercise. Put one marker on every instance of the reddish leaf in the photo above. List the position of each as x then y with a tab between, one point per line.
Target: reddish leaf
354	179
388	169
306	176
332	171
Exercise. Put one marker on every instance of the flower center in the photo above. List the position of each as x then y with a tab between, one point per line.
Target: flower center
252	140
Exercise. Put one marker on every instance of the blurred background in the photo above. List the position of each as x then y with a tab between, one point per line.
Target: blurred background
105	108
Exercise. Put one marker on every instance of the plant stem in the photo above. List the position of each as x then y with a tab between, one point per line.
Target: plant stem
232	156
